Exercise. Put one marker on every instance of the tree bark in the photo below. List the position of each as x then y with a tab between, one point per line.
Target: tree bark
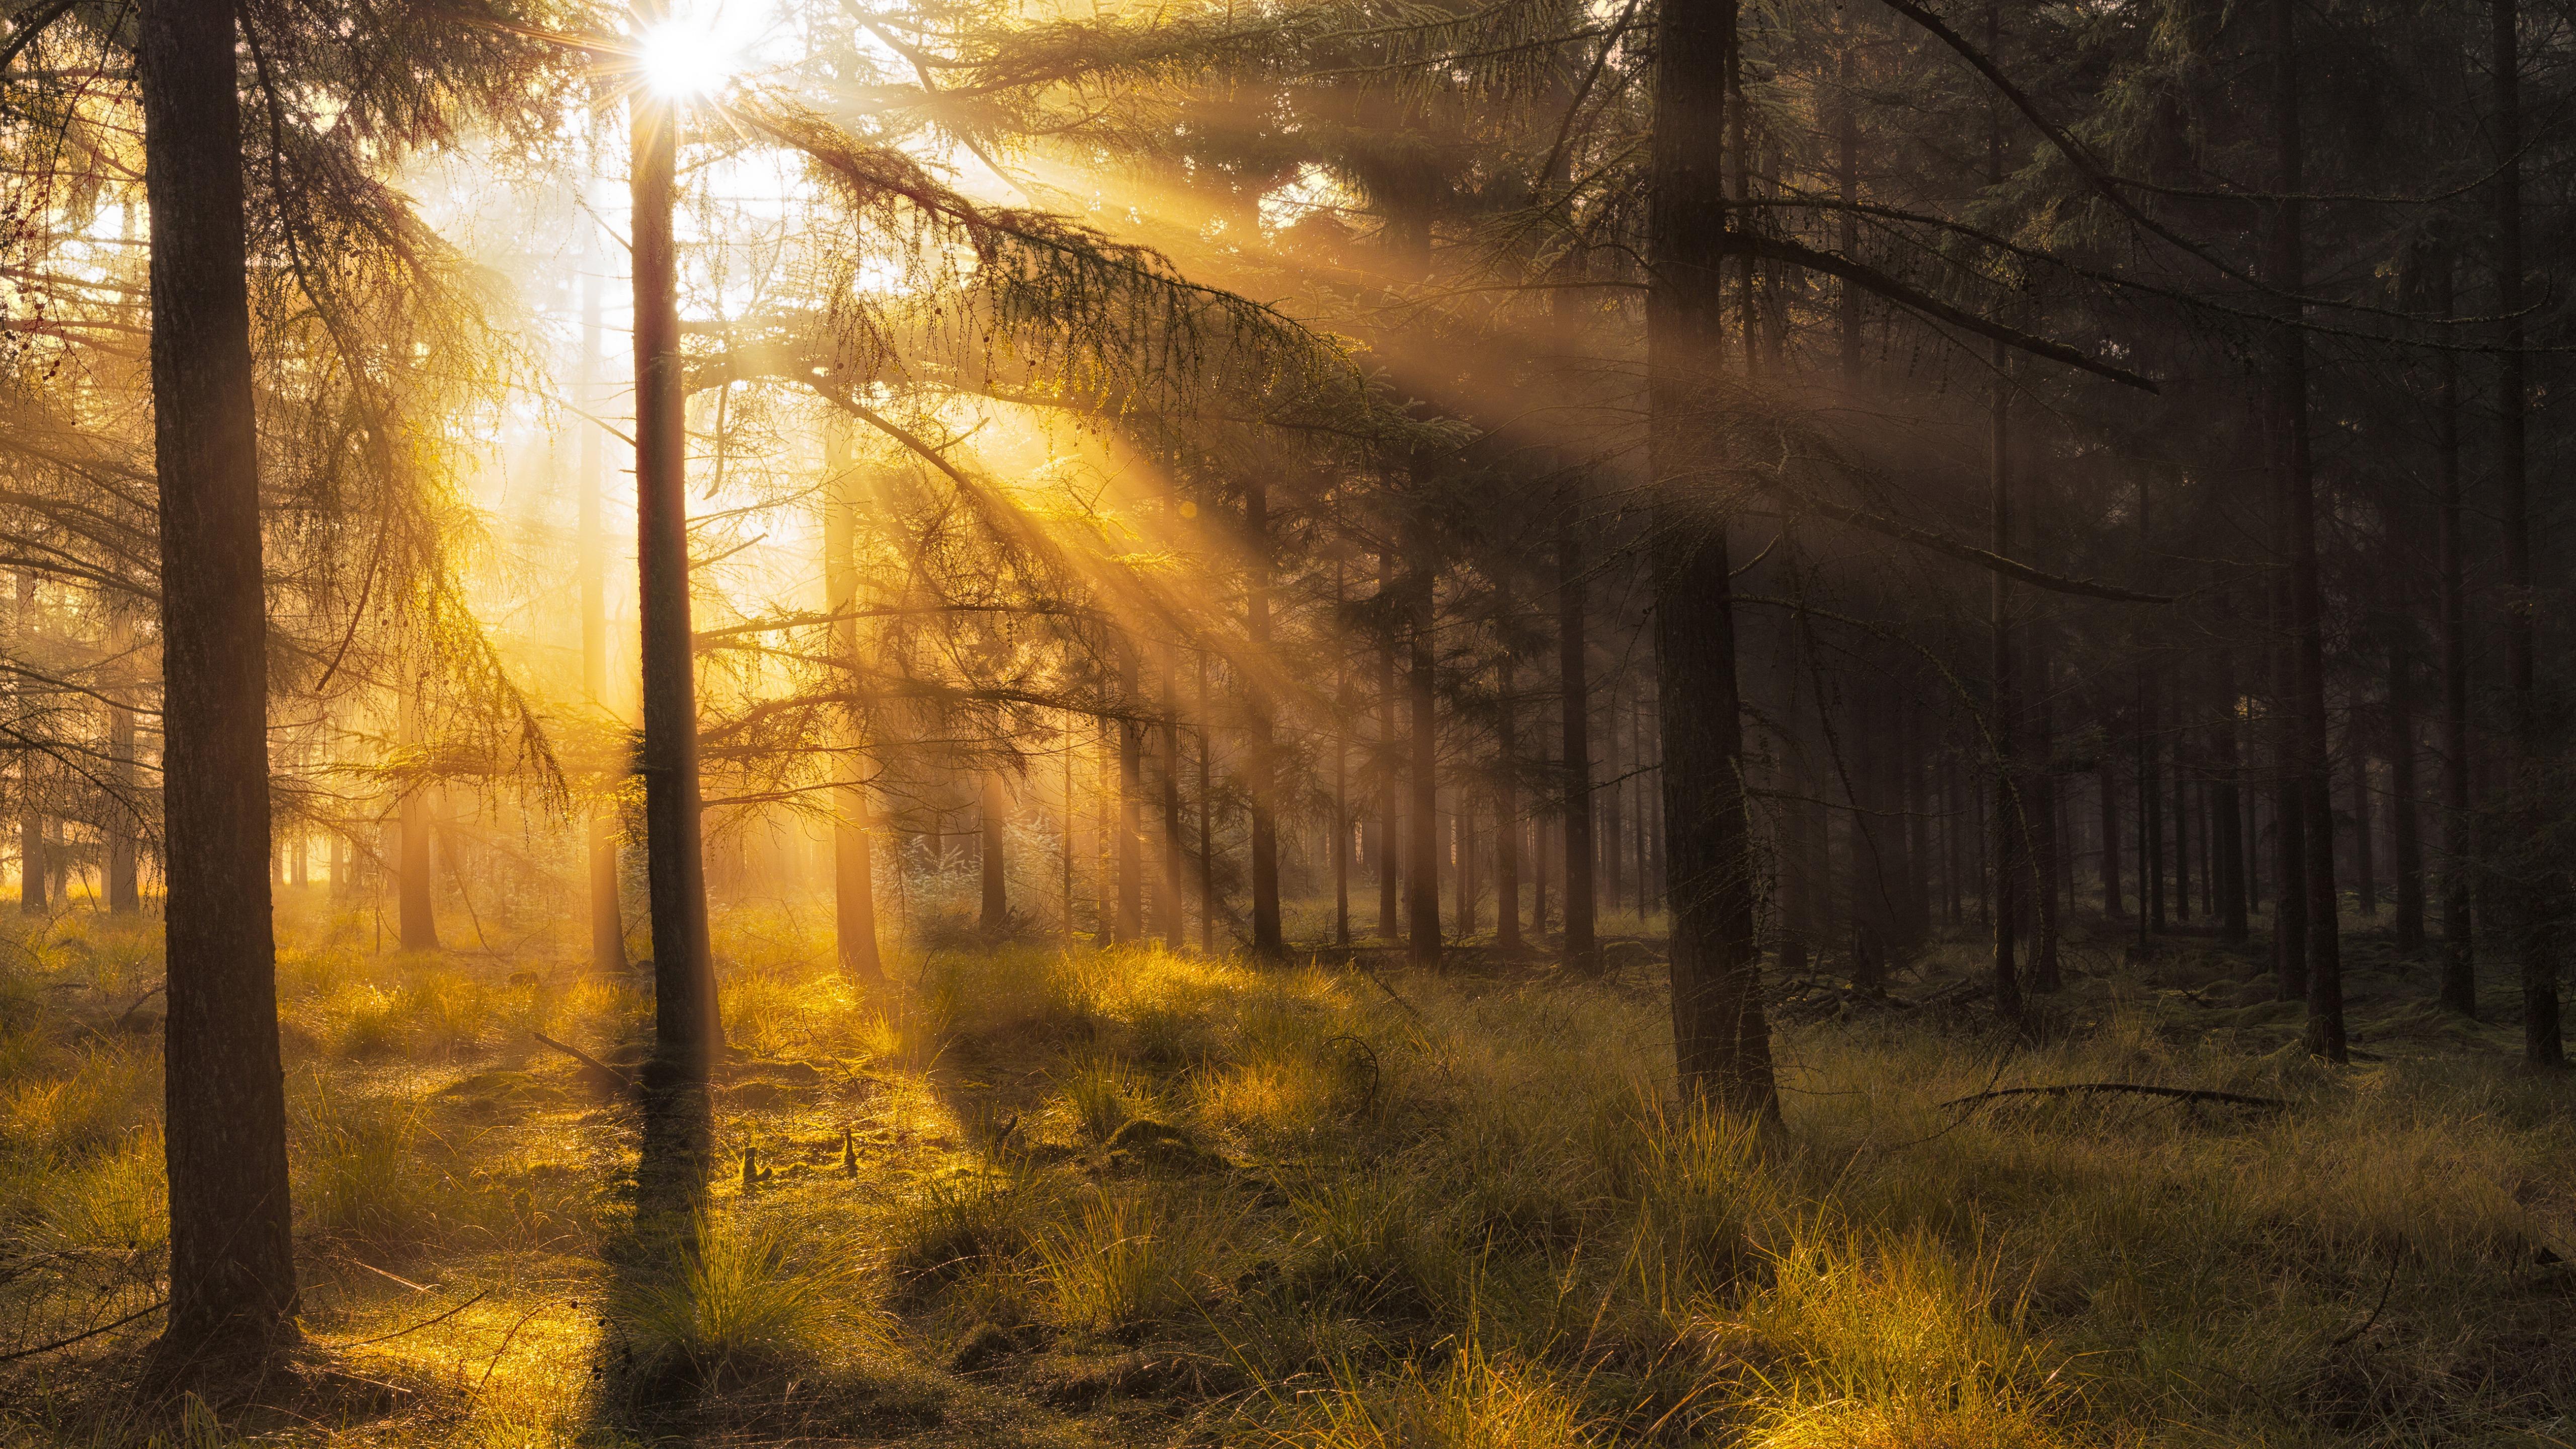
1722	1044
607	916
854	885
1261	768
2532	881
232	1250
2307	636
2459	989
686	1031
1507	812
1422	869
1580	949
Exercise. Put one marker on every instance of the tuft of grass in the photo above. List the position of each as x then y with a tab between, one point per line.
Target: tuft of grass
734	1305
1127	1258
359	1168
1103	1096
1473	1400
962	1222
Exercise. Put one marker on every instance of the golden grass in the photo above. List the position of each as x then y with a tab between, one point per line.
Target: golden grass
1470	1217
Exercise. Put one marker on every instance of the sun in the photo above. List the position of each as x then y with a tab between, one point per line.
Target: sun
682	60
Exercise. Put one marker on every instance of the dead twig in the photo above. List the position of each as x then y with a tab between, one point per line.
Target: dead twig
2091	1089
417	1327
155	1306
586	1059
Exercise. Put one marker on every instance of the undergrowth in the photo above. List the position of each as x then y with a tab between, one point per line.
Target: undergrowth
1125	1196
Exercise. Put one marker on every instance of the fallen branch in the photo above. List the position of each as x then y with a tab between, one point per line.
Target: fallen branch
2089	1089
586	1059
154	1307
417	1327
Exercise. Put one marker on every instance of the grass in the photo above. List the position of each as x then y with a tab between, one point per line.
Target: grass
1127	1196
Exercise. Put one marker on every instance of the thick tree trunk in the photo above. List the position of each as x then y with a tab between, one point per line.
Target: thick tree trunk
2532	883
687	1033
2298	487
1722	1044
232	1249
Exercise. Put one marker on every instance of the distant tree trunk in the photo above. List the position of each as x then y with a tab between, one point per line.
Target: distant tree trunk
2008	855
607	917
2404	807
1130	919
2534	880
992	850
1341	778
2182	827
686	1030
33	868
2108	783
1207	823
1170	913
232	1247
418	912
2234	887
2307	637
119	819
2364	869
1722	1044
1422	572
1580	950
2046	973
1390	838
1507	812
2459	955
2009	819
854	886
1614	815
1261	764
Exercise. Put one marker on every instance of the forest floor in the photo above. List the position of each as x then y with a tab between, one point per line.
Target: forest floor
1136	1198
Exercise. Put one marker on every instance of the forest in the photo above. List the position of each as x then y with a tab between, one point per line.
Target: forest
1286	724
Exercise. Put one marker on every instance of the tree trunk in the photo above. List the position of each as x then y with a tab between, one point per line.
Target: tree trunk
1341	778
854	886
1580	950
1722	1045
1422	572
1507	812
1129	923
2531	884
2307	637
2108	783
686	1031
2459	956
607	917
993	829
2404	817
1390	837
232	1249
1261	763
2234	887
